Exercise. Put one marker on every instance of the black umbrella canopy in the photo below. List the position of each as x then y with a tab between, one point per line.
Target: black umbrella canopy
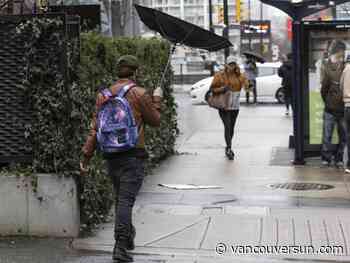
299	10
179	31
255	56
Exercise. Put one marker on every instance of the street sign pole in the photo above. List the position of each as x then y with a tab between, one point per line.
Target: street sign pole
211	16
249	20
226	29
261	31
211	28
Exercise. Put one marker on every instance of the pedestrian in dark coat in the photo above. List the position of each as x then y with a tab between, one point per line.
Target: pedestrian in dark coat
286	73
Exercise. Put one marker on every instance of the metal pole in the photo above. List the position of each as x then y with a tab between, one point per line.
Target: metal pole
211	28
298	98
249	19
211	16
226	29
261	33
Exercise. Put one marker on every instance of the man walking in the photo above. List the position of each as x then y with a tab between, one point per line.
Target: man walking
124	158
334	106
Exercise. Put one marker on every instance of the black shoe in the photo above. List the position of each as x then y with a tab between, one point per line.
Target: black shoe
120	254
339	164
229	154
122	236
326	163
131	242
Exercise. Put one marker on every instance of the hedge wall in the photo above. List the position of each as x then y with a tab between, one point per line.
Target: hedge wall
98	67
62	110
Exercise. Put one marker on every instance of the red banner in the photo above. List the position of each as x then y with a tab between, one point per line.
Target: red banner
290	29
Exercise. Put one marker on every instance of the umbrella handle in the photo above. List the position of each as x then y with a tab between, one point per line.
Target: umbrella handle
172	51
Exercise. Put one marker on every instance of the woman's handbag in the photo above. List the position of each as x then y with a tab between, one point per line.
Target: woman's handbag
218	101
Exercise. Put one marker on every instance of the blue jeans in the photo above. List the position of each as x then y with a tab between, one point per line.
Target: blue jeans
127	176
329	122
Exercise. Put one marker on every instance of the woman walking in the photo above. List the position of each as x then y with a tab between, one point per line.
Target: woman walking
230	81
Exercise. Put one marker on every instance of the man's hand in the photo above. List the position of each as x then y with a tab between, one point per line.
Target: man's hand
157	97
84	167
158	92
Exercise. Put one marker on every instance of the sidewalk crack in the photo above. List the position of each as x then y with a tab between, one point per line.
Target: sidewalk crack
344	238
293	229
326	231
261	230
174	233
205	233
277	231
309	229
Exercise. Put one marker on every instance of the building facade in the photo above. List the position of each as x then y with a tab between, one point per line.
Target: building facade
343	11
193	11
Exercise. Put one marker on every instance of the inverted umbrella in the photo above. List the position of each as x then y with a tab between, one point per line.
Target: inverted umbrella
179	31
254	55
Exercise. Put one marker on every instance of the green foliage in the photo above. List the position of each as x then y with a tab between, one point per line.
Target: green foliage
98	67
62	110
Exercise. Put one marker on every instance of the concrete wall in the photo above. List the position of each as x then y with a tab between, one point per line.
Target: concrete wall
53	211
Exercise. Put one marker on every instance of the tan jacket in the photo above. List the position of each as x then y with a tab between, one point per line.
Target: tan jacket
235	83
345	85
146	110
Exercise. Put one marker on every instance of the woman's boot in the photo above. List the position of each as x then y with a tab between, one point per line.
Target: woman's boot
229	153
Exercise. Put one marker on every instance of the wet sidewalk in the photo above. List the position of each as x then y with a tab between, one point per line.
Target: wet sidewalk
255	205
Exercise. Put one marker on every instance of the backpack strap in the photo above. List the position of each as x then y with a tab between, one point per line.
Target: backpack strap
122	92
107	93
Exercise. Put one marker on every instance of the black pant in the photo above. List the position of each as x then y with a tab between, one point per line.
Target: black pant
252	86
127	175
229	119
288	101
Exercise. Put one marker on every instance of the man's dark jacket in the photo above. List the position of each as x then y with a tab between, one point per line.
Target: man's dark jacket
286	73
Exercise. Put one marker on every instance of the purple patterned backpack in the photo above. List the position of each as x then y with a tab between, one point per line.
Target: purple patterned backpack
116	126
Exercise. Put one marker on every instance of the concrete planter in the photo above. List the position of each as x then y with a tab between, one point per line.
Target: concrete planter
53	211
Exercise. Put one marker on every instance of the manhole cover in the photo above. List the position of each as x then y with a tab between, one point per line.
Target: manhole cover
302	186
